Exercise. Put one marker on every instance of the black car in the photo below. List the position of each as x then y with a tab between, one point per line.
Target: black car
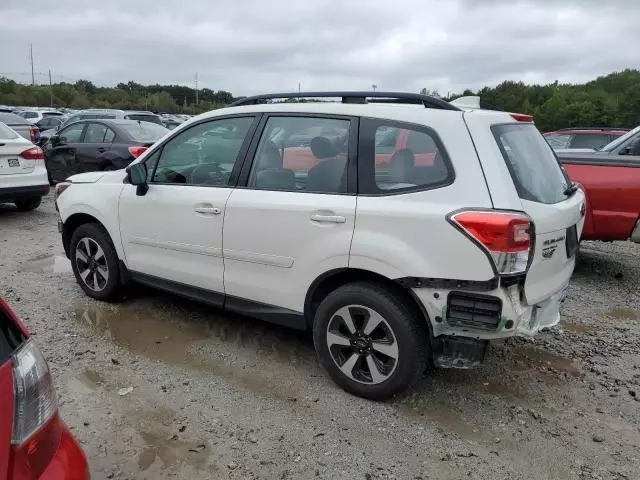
50	122
91	145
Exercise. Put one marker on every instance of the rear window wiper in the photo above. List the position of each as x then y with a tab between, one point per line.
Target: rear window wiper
570	189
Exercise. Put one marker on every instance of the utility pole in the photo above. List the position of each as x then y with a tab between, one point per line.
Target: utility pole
197	103
374	87
50	90
33	76
298	87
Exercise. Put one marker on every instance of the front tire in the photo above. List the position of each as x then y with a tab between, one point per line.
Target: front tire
95	262
28	204
370	341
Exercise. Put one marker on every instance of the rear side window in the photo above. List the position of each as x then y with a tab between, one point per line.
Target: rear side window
29	114
397	157
531	162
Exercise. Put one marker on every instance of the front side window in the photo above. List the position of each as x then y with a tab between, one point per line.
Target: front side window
302	154
72	133
204	154
531	162
400	157
95	133
590	140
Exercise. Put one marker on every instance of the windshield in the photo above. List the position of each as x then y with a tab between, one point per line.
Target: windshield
610	147
144	132
534	168
6	133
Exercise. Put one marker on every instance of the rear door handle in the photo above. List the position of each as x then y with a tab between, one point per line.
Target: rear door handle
208	210
328	218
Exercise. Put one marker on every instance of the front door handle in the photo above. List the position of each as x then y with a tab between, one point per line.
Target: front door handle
101	150
208	210
328	218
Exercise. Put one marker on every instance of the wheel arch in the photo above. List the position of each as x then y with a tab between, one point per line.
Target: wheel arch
329	281
71	225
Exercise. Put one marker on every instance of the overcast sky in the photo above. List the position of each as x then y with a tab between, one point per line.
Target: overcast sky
253	46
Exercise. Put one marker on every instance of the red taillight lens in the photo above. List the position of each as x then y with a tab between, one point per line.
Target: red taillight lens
33	153
60	188
36	426
137	151
34	133
505	236
521	117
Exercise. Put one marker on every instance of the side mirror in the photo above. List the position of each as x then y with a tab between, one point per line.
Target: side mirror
137	175
55	140
625	151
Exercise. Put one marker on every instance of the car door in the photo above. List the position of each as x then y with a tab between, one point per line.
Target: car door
90	154
173	234
284	228
60	151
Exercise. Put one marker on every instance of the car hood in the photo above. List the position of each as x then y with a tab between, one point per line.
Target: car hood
88	177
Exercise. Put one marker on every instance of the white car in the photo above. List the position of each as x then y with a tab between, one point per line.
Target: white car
23	175
447	230
34	116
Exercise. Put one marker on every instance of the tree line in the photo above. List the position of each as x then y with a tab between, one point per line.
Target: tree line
612	100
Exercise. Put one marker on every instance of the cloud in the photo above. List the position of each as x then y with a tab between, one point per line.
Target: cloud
253	46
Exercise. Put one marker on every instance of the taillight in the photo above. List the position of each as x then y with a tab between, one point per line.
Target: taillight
137	151
33	153
36	425
61	187
521	117
506	236
34	133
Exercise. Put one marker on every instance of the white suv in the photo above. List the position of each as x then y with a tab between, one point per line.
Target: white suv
399	233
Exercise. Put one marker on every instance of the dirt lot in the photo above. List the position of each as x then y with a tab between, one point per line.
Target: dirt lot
216	396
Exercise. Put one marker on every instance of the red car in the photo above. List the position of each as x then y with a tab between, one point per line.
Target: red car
583	138
34	442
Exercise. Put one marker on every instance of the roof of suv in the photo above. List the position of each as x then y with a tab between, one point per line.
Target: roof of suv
408	107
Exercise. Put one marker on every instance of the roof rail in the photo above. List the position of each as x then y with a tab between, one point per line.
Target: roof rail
354	97
622	129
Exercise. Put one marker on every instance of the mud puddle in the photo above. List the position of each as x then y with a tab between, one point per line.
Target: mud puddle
620	313
161	446
47	264
525	357
87	381
188	338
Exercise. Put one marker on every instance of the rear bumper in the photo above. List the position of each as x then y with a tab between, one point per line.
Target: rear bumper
69	462
17	193
25	185
635	234
515	317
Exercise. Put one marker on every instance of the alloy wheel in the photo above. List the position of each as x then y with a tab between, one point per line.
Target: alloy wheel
91	263
362	344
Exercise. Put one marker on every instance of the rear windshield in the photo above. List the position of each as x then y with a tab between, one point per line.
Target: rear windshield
144	118
12	119
534	168
144	132
6	133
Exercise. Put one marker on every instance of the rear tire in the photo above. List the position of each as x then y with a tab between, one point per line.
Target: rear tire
95	263
28	204
380	350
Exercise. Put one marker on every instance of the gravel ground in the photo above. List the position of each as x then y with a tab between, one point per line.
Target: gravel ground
219	396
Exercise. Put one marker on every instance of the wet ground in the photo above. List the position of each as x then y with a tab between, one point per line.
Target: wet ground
159	387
